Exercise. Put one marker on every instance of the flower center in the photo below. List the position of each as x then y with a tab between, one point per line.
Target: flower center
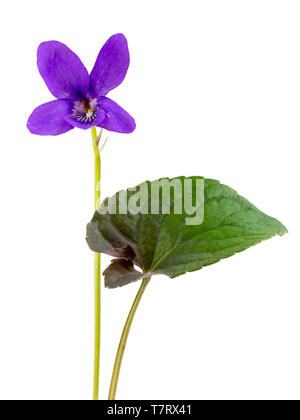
85	111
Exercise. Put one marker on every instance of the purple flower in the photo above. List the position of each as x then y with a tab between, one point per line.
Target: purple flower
81	98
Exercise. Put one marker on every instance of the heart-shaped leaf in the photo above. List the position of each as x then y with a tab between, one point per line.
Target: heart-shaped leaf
172	244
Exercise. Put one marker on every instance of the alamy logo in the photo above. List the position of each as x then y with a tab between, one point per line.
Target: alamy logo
164	196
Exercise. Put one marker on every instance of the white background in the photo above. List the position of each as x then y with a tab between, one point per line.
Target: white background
214	87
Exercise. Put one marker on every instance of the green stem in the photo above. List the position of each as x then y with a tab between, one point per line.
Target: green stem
97	269
123	341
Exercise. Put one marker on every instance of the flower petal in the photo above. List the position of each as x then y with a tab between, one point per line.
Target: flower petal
62	70
111	66
84	126
117	119
48	119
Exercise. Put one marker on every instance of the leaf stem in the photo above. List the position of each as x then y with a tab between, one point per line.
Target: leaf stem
123	340
97	269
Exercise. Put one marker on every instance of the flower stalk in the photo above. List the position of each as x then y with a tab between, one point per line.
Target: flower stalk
97	267
123	340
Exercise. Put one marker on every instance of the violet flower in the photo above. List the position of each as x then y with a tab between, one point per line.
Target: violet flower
81	98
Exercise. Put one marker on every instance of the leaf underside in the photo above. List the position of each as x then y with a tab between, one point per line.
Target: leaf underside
165	244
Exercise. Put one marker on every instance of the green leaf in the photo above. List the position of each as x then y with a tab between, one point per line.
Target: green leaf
166	244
